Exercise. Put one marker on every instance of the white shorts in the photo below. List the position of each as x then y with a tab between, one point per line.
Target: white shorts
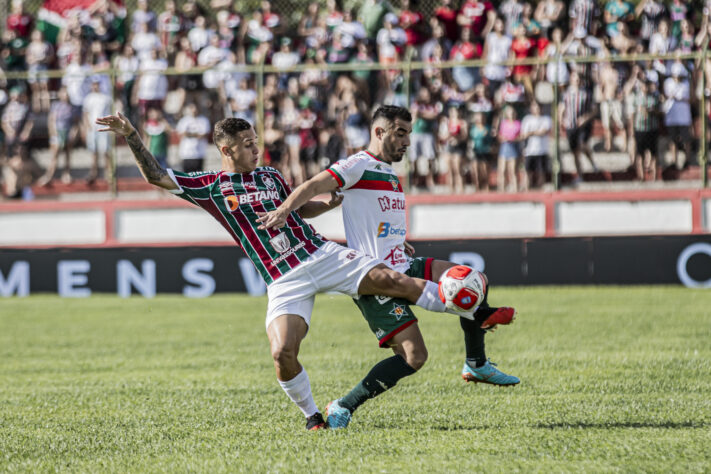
332	268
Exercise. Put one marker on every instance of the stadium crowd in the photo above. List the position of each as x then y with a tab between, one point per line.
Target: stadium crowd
466	121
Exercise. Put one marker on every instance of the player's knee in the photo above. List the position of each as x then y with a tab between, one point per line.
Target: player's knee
416	357
283	355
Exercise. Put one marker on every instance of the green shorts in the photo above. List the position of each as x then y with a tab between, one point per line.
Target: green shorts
388	316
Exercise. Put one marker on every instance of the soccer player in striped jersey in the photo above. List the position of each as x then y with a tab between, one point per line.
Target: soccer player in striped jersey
375	220
294	260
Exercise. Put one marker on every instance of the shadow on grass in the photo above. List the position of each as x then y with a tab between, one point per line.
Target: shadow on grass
629	424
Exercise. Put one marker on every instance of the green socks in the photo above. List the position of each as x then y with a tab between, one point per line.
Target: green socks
383	376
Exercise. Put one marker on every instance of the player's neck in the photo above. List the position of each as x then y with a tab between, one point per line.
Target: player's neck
376	153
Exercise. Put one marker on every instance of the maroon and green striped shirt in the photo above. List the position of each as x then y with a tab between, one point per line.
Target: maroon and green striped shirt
234	200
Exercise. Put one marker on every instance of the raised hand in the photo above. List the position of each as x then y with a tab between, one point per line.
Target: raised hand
118	124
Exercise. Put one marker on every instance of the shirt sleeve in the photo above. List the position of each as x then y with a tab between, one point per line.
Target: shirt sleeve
349	171
193	187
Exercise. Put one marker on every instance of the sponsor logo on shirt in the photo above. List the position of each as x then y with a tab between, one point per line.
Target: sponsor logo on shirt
233	202
387	204
280	242
385	230
288	253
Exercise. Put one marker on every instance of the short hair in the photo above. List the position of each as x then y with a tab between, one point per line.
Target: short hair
227	129
392	112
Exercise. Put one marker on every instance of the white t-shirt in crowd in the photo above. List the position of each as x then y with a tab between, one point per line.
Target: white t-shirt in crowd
76	80
96	104
535	144
144	44
676	106
498	48
193	147
153	85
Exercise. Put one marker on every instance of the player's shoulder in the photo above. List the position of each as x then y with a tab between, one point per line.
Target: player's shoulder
267	170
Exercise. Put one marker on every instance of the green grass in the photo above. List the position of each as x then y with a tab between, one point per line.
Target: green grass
613	379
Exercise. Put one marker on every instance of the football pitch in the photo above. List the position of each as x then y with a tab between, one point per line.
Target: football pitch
612	379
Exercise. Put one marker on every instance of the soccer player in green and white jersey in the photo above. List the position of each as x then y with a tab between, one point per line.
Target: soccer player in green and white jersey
375	222
294	260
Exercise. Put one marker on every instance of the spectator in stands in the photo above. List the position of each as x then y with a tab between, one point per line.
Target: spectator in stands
170	24
677	12
616	12
274	146
478	16
446	15
677	117
535	129
610	103
96	104
62	134
651	13
576	114
12	52
413	22
509	136
152	86
512	12
17	121
39	57
453	134
243	100
193	130
19	20
126	65
372	14
522	47
646	128
199	35
549	14
272	19
425	113
156	135
582	14
496	51
465	50
482	143
145	42
143	16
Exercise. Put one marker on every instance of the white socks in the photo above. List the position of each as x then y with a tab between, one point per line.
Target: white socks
299	390
429	299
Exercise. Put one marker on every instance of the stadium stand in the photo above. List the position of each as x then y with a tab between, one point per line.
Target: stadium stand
555	93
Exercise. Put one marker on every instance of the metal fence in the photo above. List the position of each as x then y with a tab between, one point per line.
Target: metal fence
661	144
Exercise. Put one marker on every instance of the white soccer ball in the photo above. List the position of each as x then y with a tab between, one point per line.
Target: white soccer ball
462	288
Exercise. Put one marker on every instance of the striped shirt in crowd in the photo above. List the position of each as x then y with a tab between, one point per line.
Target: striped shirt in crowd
646	112
582	12
577	102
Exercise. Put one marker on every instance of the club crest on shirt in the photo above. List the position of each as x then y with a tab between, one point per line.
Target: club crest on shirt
394	182
280	242
269	182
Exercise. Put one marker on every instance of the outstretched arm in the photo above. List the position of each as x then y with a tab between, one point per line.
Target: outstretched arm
316	208
322	183
149	166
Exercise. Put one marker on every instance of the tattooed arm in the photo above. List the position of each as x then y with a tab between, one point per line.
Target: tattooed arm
149	166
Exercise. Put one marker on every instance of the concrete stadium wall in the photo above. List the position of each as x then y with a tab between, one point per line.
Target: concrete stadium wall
173	222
